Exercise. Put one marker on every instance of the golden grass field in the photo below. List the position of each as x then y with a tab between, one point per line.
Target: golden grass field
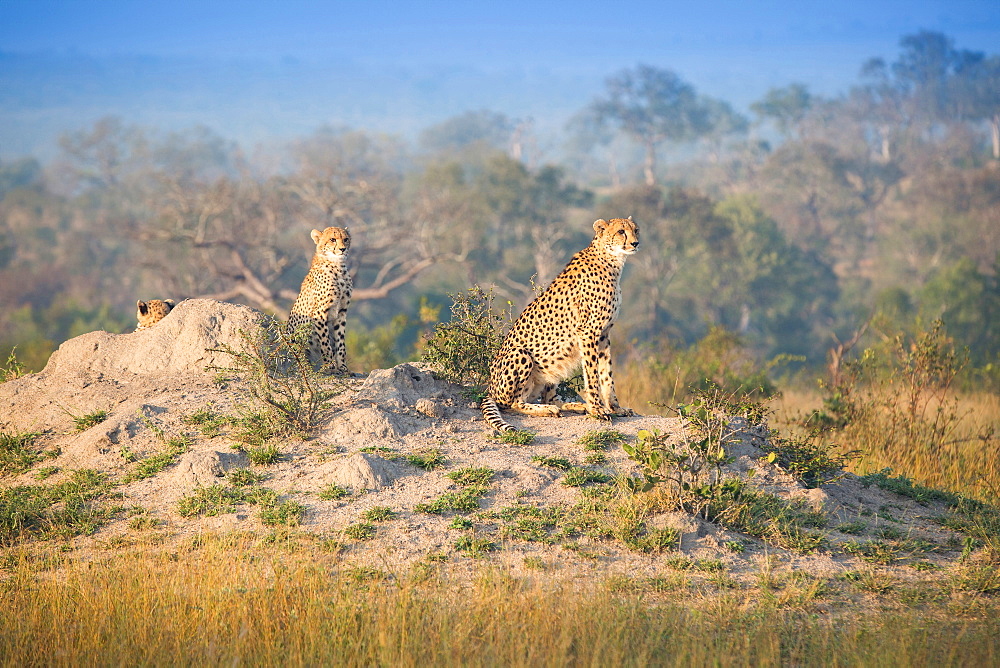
287	597
235	599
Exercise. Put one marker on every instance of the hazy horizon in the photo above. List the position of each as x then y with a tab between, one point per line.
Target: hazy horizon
260	72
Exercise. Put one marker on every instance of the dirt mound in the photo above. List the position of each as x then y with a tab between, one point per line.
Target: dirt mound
181	343
133	378
390	441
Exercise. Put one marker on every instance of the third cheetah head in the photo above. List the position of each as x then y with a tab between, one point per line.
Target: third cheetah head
619	236
151	312
332	243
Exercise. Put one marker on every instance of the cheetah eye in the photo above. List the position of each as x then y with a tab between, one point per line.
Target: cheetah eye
621	231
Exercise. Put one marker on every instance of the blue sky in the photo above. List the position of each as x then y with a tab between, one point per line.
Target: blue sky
734	50
572	35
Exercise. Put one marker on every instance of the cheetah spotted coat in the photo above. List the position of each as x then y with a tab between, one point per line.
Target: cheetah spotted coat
564	328
321	307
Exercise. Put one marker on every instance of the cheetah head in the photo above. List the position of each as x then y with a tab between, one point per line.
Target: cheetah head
619	236
151	312
332	243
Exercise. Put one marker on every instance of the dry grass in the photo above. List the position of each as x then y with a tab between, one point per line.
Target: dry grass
648	389
954	444
236	599
964	463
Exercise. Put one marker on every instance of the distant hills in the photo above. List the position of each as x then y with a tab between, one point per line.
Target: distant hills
45	95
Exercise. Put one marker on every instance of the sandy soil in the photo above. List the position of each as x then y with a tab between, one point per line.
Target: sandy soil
153	379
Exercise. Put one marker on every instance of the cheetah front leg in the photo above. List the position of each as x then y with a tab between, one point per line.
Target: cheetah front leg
338	336
606	380
599	385
323	340
595	404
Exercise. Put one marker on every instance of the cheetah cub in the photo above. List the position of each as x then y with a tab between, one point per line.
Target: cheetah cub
151	312
564	328
323	299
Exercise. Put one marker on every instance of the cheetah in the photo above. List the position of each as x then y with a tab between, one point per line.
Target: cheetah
151	312
324	297
564	328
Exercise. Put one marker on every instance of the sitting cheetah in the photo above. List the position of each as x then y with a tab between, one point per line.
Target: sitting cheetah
324	297
563	328
151	312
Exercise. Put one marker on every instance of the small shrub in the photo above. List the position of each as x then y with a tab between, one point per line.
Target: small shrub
737	546
460	523
475	547
264	455
62	510
211	501
142	523
428	459
150	466
209	423
560	463
244	477
888	533
854	528
980	574
738	507
46	471
471	476
923	566
536	528
334	493
461	349
290	396
679	563
11	369
360	531
602	439
813	461
873	551
654	540
282	513
16	453
378	514
85	422
871	580
578	476
516	437
905	486
462	501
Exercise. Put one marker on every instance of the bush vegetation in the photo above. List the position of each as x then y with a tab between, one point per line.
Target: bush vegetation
285	394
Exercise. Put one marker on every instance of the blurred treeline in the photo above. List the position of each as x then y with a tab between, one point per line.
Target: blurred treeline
788	230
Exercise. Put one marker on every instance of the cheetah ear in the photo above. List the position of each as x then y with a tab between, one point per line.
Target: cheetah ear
315	234
600	224
170	302
630	219
141	306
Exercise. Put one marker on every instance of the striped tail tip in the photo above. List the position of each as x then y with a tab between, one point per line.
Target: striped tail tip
491	413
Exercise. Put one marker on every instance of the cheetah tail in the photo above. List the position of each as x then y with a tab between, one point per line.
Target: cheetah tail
491	413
